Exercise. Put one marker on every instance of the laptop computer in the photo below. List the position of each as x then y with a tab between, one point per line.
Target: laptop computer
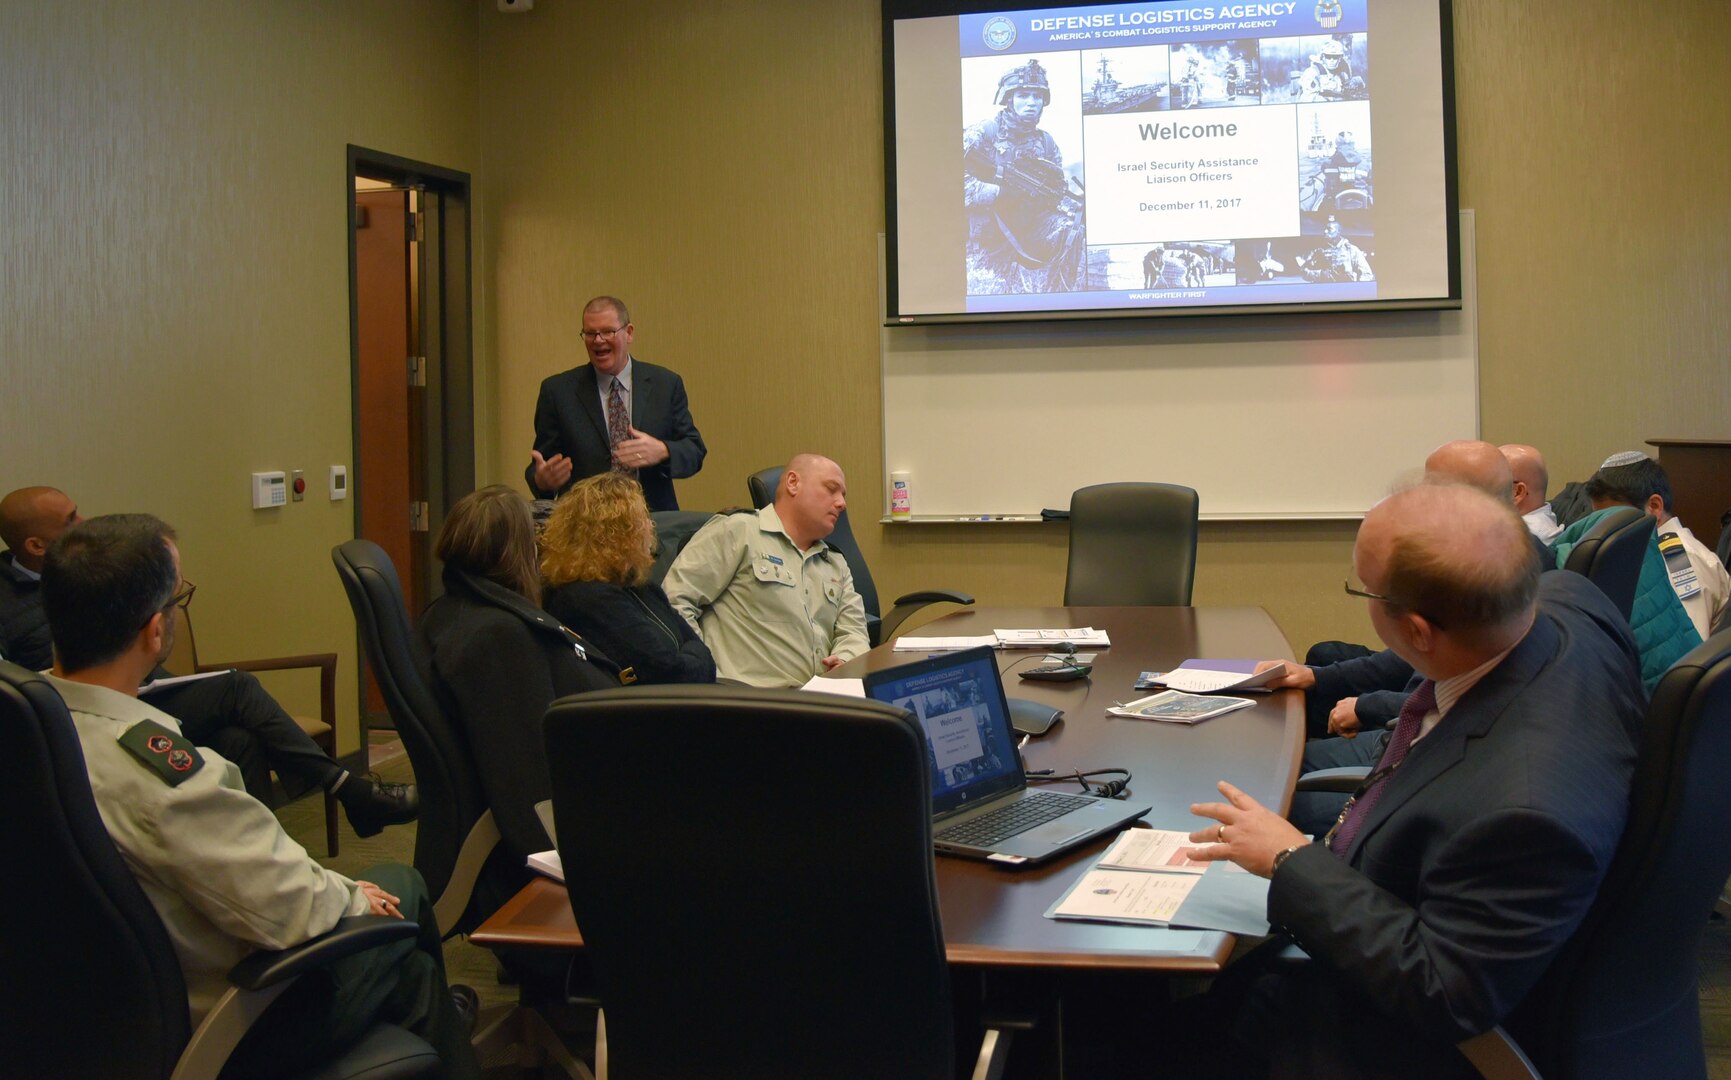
981	804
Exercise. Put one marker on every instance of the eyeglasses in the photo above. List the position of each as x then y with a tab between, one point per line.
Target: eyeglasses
1389	600
597	335
182	596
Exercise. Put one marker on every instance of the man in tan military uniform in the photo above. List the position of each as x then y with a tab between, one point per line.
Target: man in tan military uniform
213	861
774	603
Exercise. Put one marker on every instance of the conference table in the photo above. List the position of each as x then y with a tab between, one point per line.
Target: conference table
994	917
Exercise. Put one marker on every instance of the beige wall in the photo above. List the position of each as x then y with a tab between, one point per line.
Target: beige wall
173	268
718	166
174	272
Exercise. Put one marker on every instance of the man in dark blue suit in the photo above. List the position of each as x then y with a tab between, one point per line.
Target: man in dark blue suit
615	412
1474	850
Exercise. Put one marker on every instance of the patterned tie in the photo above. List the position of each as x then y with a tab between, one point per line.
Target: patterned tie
1421	701
618	424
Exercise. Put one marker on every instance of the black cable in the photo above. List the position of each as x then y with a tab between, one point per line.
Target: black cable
1111	789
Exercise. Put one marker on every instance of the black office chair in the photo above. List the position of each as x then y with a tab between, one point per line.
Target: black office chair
673	528
455	833
456	838
1611	553
1131	544
766	907
91	985
762	485
1621	1000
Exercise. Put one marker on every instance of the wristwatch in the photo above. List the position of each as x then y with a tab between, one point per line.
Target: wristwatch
1281	856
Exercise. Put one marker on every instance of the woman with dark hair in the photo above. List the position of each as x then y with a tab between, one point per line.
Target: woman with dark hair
495	661
595	556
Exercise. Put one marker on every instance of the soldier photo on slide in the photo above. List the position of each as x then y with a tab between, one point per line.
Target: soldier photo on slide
1024	205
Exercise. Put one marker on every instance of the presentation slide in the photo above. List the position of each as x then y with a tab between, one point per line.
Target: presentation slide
1170	155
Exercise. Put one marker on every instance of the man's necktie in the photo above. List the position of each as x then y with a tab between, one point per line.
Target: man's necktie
1421	701
618	423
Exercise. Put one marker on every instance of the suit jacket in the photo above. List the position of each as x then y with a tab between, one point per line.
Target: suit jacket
569	421
495	662
24	637
1477	863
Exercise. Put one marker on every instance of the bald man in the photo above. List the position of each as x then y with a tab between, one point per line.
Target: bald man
774	603
230	711
31	519
1438	901
1349	688
1532	480
1473	462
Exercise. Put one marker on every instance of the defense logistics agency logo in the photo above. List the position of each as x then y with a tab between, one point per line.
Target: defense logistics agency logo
1327	13
999	33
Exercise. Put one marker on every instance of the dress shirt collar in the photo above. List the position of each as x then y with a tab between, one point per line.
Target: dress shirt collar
1543	523
770	521
22	573
623	379
1452	689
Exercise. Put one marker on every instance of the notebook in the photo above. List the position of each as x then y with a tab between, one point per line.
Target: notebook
981	804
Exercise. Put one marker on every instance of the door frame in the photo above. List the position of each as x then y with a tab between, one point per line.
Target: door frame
447	332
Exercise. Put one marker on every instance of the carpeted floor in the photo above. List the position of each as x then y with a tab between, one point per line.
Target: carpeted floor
471	964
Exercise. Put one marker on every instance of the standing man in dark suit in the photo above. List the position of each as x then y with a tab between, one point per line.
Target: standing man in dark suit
616	412
1473	851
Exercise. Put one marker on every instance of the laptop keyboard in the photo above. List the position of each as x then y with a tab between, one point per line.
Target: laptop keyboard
1006	821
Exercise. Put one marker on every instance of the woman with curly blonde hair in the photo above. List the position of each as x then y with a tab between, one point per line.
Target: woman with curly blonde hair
596	551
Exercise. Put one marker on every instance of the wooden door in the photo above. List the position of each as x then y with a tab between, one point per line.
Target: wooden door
387	464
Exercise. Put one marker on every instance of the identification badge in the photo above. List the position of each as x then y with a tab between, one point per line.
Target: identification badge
1683	580
776	559
171	757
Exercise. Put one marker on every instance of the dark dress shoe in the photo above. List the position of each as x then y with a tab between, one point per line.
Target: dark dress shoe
372	804
468	1005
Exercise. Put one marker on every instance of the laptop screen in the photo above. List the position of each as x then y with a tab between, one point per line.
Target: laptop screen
959	700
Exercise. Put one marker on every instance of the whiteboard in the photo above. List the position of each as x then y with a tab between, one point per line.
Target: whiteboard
1266	416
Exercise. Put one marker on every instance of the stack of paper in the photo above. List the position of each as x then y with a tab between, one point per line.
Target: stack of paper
1214	676
1174	707
943	644
548	863
1145	878
1045	639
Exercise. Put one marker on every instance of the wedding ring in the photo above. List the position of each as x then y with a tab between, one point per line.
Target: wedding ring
1220	834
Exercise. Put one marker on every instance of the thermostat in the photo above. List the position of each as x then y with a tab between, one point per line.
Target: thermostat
269	489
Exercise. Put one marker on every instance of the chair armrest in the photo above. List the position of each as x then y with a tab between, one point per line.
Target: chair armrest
935	596
1345	779
450	904
1496	1057
257	981
912	602
352	934
326	663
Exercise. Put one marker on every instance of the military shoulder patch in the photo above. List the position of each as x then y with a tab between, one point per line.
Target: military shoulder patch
172	757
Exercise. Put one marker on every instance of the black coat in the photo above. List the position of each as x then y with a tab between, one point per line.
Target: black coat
495	661
637	627
24	637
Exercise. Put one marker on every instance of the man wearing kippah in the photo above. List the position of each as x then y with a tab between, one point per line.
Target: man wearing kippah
1698	577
